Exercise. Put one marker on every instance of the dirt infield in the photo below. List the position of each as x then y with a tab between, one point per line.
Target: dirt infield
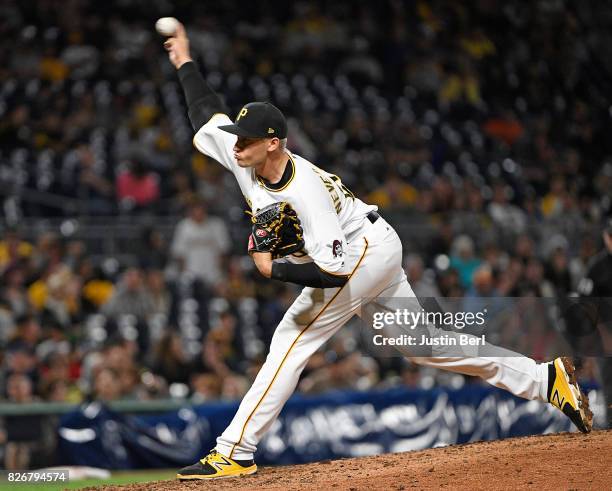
562	461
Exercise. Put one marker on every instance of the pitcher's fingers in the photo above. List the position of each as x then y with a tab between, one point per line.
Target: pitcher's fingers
180	30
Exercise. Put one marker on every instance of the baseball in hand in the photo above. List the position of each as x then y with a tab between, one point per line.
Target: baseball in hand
166	26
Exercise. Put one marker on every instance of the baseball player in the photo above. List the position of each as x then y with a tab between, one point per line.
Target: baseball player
349	253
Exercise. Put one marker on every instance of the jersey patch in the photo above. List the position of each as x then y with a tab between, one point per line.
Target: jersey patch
336	248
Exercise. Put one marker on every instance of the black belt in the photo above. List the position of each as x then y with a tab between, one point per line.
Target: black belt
373	216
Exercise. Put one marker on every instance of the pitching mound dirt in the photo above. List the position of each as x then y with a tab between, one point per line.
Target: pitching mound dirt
562	461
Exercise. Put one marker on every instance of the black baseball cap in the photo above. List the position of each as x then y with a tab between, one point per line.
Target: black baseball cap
258	120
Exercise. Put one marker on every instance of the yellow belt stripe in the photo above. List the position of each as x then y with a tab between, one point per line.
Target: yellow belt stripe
293	344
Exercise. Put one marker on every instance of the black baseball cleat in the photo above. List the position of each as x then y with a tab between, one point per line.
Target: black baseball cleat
216	466
565	393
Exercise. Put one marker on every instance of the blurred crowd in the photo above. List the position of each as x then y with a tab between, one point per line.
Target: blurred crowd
479	130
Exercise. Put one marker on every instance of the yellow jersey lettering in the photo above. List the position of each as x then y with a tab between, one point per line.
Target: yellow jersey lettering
333	184
345	190
331	189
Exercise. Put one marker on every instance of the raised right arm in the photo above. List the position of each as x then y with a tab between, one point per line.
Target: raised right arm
202	101
205	108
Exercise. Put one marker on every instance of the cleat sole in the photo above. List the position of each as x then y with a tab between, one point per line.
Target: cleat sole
584	421
201	477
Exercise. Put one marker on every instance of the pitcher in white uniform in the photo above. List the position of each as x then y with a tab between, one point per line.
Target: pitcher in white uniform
351	253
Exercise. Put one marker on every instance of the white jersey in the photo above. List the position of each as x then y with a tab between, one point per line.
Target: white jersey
330	214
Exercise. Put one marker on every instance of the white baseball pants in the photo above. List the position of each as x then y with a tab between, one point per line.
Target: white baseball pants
317	314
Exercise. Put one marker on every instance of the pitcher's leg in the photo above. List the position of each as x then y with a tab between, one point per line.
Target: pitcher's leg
503	368
312	319
519	375
291	347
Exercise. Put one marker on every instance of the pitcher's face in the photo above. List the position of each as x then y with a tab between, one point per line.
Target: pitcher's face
251	152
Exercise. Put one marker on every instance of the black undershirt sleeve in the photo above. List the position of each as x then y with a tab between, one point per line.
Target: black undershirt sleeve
308	274
202	101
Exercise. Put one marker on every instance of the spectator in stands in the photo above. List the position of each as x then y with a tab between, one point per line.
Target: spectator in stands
524	248
410	374
533	281
443	194
54	340
552	203
22	431
158	292
460	86
506	128
129	381
91	183
464	260
27	334
130	297
422	282
153	386
75	254
169	359
13	249
7	323
153	251
199	244
137	187
272	309
238	284
62	302
182	190
557	271
441	242
342	371
57	379
21	360
97	289
205	387
48	253
394	193
507	281
14	292
221	354
449	283
106	386
56	391
483	283
509	219
468	217
15	129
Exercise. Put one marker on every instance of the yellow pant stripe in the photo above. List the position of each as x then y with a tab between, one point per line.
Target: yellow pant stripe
293	344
